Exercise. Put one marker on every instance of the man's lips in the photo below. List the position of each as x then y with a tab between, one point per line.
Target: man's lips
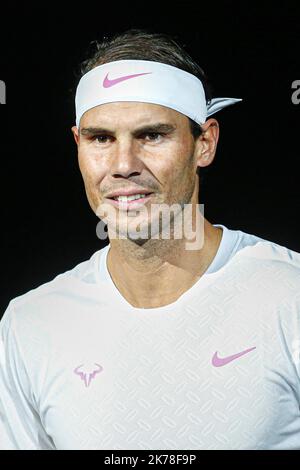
128	192
133	204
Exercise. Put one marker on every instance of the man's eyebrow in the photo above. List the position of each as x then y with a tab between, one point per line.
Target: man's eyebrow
158	127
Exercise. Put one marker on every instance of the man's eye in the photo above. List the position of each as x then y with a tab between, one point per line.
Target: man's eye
100	138
154	134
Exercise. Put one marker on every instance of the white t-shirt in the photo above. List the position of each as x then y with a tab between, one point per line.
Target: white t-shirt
217	369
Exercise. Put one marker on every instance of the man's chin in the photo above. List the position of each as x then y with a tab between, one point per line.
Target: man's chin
139	234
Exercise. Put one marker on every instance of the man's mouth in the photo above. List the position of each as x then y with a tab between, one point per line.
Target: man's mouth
133	201
130	198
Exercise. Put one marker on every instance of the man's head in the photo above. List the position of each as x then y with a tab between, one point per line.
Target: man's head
164	160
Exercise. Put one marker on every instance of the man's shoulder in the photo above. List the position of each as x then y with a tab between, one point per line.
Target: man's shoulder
63	284
268	251
268	260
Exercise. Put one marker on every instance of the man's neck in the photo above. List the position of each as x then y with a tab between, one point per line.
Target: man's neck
160	271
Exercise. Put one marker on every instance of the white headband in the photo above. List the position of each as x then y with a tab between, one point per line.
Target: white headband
148	82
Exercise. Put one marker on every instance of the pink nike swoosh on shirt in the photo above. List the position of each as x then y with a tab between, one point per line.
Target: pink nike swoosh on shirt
107	83
222	361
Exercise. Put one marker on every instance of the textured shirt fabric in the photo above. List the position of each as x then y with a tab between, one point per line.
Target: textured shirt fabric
80	368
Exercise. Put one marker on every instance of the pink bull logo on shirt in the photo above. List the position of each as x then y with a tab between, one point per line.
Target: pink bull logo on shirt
87	376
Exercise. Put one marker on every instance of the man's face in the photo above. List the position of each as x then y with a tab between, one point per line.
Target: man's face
116	154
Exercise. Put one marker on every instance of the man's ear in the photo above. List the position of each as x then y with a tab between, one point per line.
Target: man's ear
206	144
74	129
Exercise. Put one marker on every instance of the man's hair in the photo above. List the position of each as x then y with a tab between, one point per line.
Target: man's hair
142	44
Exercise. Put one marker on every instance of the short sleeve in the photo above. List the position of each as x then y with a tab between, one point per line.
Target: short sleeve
20	424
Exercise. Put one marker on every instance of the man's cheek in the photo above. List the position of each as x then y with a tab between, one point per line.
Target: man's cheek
86	165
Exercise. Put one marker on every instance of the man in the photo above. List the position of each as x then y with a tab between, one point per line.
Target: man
155	342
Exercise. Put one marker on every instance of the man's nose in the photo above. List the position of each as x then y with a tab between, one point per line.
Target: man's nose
126	159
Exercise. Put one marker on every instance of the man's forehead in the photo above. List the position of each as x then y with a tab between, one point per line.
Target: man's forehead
133	113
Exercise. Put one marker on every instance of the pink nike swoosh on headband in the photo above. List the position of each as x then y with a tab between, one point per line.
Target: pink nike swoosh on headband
107	83
222	361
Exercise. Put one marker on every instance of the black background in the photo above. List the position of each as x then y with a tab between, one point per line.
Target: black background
249	50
